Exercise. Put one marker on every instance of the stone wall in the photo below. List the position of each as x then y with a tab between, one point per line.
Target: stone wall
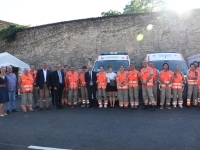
73	42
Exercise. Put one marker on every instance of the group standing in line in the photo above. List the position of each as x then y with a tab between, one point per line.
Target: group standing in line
69	87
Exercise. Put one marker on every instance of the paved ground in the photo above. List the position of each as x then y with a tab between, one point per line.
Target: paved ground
98	129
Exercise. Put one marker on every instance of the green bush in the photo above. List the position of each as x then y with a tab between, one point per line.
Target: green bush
9	32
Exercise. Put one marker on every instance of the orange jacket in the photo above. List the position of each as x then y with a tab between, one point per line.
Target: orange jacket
101	80
73	80
82	80
121	79
192	74
133	79
166	77
26	83
155	73
177	83
144	74
34	75
198	70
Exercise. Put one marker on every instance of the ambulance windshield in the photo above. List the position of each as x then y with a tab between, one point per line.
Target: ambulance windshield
115	64
182	65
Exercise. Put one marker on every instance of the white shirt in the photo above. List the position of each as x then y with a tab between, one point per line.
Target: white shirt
111	76
45	75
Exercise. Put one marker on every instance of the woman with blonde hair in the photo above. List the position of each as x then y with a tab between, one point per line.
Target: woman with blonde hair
3	91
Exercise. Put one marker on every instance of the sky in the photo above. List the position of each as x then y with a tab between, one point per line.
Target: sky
38	12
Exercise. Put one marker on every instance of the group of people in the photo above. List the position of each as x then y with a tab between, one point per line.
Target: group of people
68	87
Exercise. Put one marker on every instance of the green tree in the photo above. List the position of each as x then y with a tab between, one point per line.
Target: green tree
110	13
144	6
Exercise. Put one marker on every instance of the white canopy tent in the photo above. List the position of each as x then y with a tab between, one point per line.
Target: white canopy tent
7	59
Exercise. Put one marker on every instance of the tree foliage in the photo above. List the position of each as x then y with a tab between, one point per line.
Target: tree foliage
110	13
139	6
144	6
9	33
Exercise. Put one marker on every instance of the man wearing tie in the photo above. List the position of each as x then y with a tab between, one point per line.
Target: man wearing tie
91	79
58	85
43	83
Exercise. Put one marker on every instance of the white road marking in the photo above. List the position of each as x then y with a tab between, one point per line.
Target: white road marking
45	148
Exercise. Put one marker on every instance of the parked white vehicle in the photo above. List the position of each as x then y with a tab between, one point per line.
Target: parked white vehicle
114	59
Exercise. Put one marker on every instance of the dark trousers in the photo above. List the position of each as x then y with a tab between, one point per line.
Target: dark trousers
92	90
58	95
52	96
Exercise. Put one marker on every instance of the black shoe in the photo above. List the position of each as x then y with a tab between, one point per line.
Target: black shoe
48	108
145	107
125	107
188	106
152	108
121	107
14	110
61	107
40	109
36	107
58	108
7	111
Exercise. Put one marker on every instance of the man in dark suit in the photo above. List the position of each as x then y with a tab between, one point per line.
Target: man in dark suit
91	79
58	85
43	83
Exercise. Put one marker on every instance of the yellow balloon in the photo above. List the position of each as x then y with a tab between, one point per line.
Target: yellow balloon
140	37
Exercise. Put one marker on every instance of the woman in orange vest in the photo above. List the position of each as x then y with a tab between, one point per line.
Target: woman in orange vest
84	92
133	77
166	78
147	85
122	86
101	86
73	82
192	85
177	87
26	87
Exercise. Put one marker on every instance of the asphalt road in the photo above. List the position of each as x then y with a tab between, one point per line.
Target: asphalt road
98	129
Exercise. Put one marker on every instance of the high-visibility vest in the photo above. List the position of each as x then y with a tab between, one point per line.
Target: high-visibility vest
121	79
144	74
101	80
26	83
198	80
34	75
177	83
155	73
82	78
133	79
73	80
166	76
66	84
192	74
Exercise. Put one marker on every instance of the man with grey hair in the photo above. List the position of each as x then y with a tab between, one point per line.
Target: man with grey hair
43	83
26	83
12	87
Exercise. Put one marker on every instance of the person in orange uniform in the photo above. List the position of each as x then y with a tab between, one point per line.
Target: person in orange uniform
196	64
33	72
192	85
101	86
73	83
177	87
122	86
155	82
133	77
147	85
79	86
26	82
84	93
166	78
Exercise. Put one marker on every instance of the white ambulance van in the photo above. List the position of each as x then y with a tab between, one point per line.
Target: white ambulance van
193	58
113	59
172	58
